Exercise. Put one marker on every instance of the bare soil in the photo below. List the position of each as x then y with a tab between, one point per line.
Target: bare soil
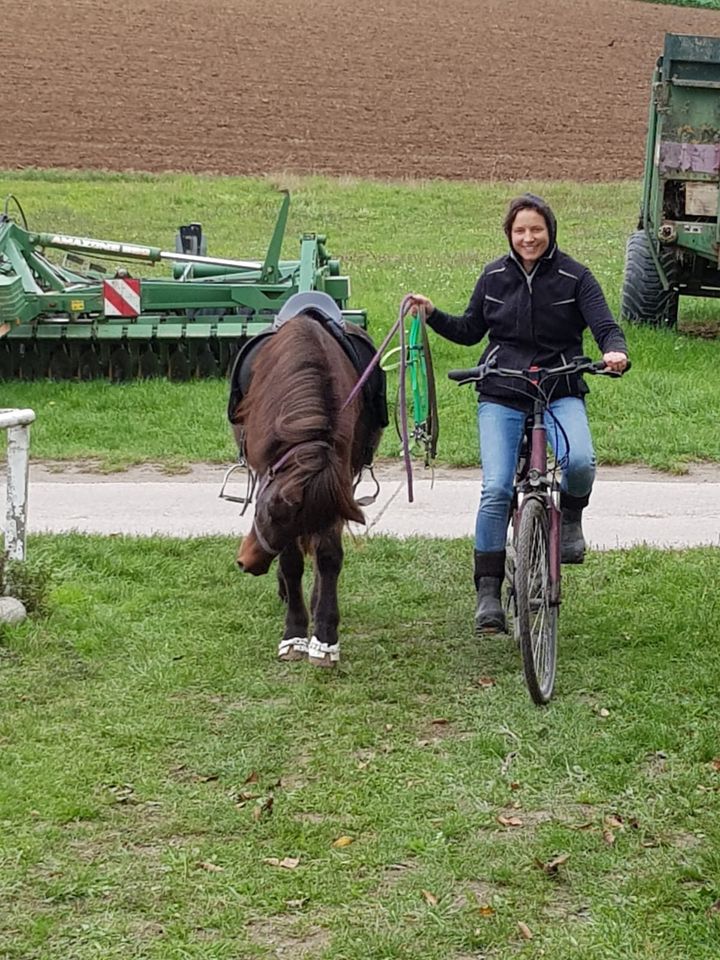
464	89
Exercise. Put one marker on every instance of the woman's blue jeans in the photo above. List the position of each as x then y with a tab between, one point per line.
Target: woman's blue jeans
501	431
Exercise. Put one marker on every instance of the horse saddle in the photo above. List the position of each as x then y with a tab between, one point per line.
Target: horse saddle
355	342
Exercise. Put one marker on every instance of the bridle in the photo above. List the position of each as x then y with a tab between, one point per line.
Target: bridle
268	477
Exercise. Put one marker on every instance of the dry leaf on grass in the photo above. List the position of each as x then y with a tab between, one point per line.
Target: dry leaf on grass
485	681
614	821
429	898
287	863
525	930
440	721
244	797
510	821
714	908
210	867
551	866
251	777
486	910
609	837
716	764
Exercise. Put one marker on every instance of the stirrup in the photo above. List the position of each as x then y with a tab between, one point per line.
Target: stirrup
251	483
368	500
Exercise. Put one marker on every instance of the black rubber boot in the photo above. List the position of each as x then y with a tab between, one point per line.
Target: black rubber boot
489	573
572	542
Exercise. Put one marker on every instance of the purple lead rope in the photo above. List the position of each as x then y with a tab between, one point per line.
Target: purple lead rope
402	398
399	324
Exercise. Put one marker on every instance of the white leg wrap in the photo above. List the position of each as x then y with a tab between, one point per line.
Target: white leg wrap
323	651
294	648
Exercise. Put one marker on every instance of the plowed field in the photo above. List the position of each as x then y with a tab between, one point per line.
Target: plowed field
476	89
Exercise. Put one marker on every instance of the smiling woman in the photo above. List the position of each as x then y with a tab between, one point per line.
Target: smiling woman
534	304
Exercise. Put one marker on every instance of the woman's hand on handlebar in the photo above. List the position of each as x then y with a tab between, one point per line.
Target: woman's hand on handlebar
416	300
616	361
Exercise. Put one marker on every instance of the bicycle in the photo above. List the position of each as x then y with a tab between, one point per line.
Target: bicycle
532	570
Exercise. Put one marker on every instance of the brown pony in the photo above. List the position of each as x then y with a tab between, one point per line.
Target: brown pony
306	447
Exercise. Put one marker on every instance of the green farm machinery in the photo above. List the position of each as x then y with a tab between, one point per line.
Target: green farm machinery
71	315
676	248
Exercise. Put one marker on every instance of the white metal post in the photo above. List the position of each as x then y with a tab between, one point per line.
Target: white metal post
17	423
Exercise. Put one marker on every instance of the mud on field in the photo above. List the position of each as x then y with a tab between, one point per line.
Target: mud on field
463	89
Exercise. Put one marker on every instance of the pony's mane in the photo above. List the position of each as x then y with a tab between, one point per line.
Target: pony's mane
299	383
293	397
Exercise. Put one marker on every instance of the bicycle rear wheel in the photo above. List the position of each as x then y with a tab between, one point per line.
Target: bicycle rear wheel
536	616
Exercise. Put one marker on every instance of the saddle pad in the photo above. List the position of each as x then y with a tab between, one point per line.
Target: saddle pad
358	348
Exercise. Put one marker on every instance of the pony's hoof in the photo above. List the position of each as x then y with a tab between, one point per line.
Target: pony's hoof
294	648
322	654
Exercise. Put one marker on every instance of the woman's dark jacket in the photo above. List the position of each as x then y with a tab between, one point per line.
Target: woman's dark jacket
533	319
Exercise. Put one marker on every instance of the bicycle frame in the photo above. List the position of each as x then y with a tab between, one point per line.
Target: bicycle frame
534	480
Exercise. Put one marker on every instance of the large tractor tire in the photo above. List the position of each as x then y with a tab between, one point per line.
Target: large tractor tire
643	298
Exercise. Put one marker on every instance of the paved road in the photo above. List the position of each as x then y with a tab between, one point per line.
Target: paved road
629	505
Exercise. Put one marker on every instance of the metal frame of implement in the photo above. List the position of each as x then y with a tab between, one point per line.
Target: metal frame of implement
54	319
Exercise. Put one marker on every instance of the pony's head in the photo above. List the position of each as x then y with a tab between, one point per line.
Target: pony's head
308	498
275	525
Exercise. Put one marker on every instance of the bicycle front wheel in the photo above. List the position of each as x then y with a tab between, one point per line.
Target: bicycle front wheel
536	616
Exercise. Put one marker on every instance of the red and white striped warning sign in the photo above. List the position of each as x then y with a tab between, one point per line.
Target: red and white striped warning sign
121	297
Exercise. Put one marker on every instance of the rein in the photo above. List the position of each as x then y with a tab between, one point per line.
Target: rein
265	546
288	453
270	475
398	325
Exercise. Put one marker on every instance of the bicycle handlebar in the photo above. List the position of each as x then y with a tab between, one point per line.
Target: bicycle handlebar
536	375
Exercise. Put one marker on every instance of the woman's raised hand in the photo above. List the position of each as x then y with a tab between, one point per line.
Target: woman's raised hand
416	300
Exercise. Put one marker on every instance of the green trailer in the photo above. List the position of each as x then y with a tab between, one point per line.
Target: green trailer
65	313
675	250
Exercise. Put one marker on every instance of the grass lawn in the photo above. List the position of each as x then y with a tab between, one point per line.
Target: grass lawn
392	238
167	790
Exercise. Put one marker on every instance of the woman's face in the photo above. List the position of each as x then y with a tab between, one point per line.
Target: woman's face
529	236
